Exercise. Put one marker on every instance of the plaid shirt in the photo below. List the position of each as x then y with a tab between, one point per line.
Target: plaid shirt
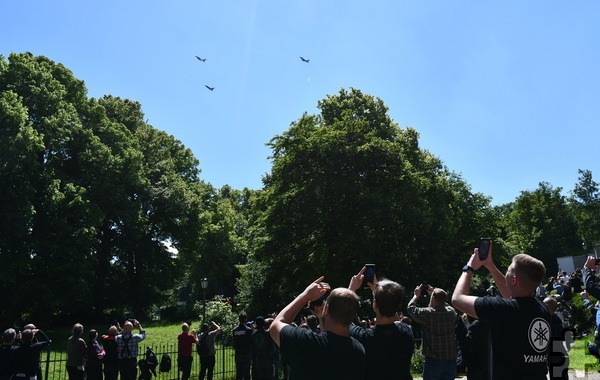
438	324
132	342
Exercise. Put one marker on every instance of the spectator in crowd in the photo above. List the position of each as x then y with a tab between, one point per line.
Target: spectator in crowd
558	360
111	357
206	349
389	346
185	342
242	345
519	324
330	354
26	357
263	352
94	354
438	321
576	282
6	352
476	350
128	349
76	350
32	327
540	292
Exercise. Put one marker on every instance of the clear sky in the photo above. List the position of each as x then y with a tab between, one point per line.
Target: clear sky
506	93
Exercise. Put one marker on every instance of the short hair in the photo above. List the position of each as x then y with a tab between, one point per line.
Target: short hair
185	327
551	304
312	321
243	317
529	270
112	330
27	336
260	322
439	295
9	335
342	304
93	334
204	327
388	296
77	329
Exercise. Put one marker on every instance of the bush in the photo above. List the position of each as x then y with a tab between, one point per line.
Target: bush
417	362
221	313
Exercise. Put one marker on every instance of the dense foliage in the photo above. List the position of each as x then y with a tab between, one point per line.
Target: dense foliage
102	214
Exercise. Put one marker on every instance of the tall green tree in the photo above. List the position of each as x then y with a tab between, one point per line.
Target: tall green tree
585	202
347	187
539	223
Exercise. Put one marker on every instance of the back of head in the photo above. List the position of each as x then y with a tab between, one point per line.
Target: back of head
529	270
27	336
9	336
260	322
128	326
113	331
93	334
312	321
439	296
204	328
388	297
243	318
185	327
77	329
342	305
551	304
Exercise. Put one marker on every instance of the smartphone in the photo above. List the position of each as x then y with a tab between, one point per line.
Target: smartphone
369	274
484	248
318	302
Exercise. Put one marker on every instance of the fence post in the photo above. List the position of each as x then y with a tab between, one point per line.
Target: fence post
47	362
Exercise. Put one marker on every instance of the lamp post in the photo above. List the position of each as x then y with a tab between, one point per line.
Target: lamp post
204	285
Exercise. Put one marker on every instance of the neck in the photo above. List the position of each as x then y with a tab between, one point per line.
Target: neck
381	320
335	328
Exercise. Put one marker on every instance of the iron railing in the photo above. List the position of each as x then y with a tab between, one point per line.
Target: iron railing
53	363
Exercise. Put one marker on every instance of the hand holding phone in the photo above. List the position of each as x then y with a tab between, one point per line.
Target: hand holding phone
369	275
485	246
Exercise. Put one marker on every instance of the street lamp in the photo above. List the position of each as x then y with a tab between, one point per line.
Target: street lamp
204	285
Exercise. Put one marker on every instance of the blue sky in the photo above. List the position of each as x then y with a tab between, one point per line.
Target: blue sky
505	93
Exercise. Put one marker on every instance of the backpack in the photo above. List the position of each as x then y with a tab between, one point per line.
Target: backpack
165	363
202	347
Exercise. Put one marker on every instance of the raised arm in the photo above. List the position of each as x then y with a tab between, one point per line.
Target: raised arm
287	315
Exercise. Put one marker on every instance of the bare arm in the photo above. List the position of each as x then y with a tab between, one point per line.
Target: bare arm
287	315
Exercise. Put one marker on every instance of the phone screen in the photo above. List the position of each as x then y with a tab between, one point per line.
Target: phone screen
484	248
369	274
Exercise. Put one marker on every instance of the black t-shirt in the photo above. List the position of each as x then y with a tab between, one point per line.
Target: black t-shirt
325	355
242	341
6	362
520	334
263	349
388	348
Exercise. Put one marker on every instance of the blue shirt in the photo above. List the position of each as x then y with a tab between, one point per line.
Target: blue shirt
132	341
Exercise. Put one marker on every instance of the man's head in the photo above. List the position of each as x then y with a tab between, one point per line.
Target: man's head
388	297
27	336
551	304
128	326
524	274
260	322
77	329
243	318
341	306
9	336
113	331
438	297
185	327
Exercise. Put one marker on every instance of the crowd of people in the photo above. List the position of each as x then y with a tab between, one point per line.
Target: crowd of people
518	328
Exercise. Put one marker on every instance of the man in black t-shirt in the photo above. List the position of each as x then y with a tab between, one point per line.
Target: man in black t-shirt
390	345
519	324
330	354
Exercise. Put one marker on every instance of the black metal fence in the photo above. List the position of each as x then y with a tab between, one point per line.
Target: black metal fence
53	363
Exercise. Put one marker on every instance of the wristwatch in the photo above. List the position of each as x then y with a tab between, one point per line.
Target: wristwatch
468	267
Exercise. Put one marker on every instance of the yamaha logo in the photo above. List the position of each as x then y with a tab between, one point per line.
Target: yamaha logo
539	334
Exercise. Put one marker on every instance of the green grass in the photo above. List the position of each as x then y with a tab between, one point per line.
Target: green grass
580	359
